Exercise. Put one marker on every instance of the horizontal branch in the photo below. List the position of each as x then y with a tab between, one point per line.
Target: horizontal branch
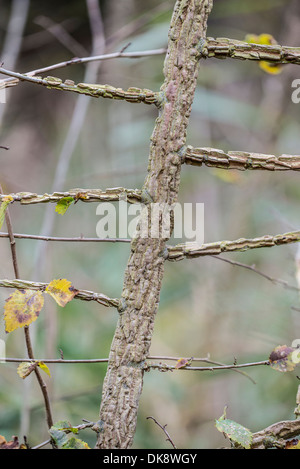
165	367
114	194
132	95
66	239
84	295
193	250
240	160
222	48
158	366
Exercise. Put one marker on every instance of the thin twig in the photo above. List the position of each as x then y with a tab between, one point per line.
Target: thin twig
95	58
147	366
66	239
163	427
13	39
164	367
61	34
262	274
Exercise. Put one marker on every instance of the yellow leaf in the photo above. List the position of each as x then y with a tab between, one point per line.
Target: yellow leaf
25	368
269	67
4	204
44	368
22	308
62	291
268	40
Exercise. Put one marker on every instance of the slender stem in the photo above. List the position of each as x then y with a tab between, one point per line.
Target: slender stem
66	239
26	329
163	427
95	58
159	366
262	274
39	379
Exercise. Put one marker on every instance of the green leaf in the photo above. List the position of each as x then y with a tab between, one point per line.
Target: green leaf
234	431
63	205
59	437
75	443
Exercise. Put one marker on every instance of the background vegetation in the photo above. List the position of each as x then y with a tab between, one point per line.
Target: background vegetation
207	306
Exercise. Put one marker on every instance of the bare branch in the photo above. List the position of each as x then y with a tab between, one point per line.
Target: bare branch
67	240
222	48
193	250
240	160
85	195
13	38
163	367
61	34
83	60
131	95
160	366
262	274
163	427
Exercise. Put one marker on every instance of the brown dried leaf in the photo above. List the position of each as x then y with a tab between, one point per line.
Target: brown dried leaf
183	362
281	358
13	444
25	368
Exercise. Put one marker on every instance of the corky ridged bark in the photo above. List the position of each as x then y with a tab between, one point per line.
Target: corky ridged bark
143	277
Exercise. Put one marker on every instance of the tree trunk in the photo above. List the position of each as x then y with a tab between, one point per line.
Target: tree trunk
143	277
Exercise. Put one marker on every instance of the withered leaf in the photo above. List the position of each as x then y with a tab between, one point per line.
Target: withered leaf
22	308
62	291
281	358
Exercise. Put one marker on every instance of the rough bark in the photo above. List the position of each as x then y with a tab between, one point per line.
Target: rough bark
143	277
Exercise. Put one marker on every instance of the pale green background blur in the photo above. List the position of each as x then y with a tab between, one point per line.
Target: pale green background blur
207	306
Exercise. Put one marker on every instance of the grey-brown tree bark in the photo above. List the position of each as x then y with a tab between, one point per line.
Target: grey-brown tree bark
144	273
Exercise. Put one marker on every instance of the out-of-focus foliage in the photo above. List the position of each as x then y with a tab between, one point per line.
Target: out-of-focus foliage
207	306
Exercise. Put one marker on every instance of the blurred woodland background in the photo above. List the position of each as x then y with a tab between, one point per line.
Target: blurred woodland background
207	306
